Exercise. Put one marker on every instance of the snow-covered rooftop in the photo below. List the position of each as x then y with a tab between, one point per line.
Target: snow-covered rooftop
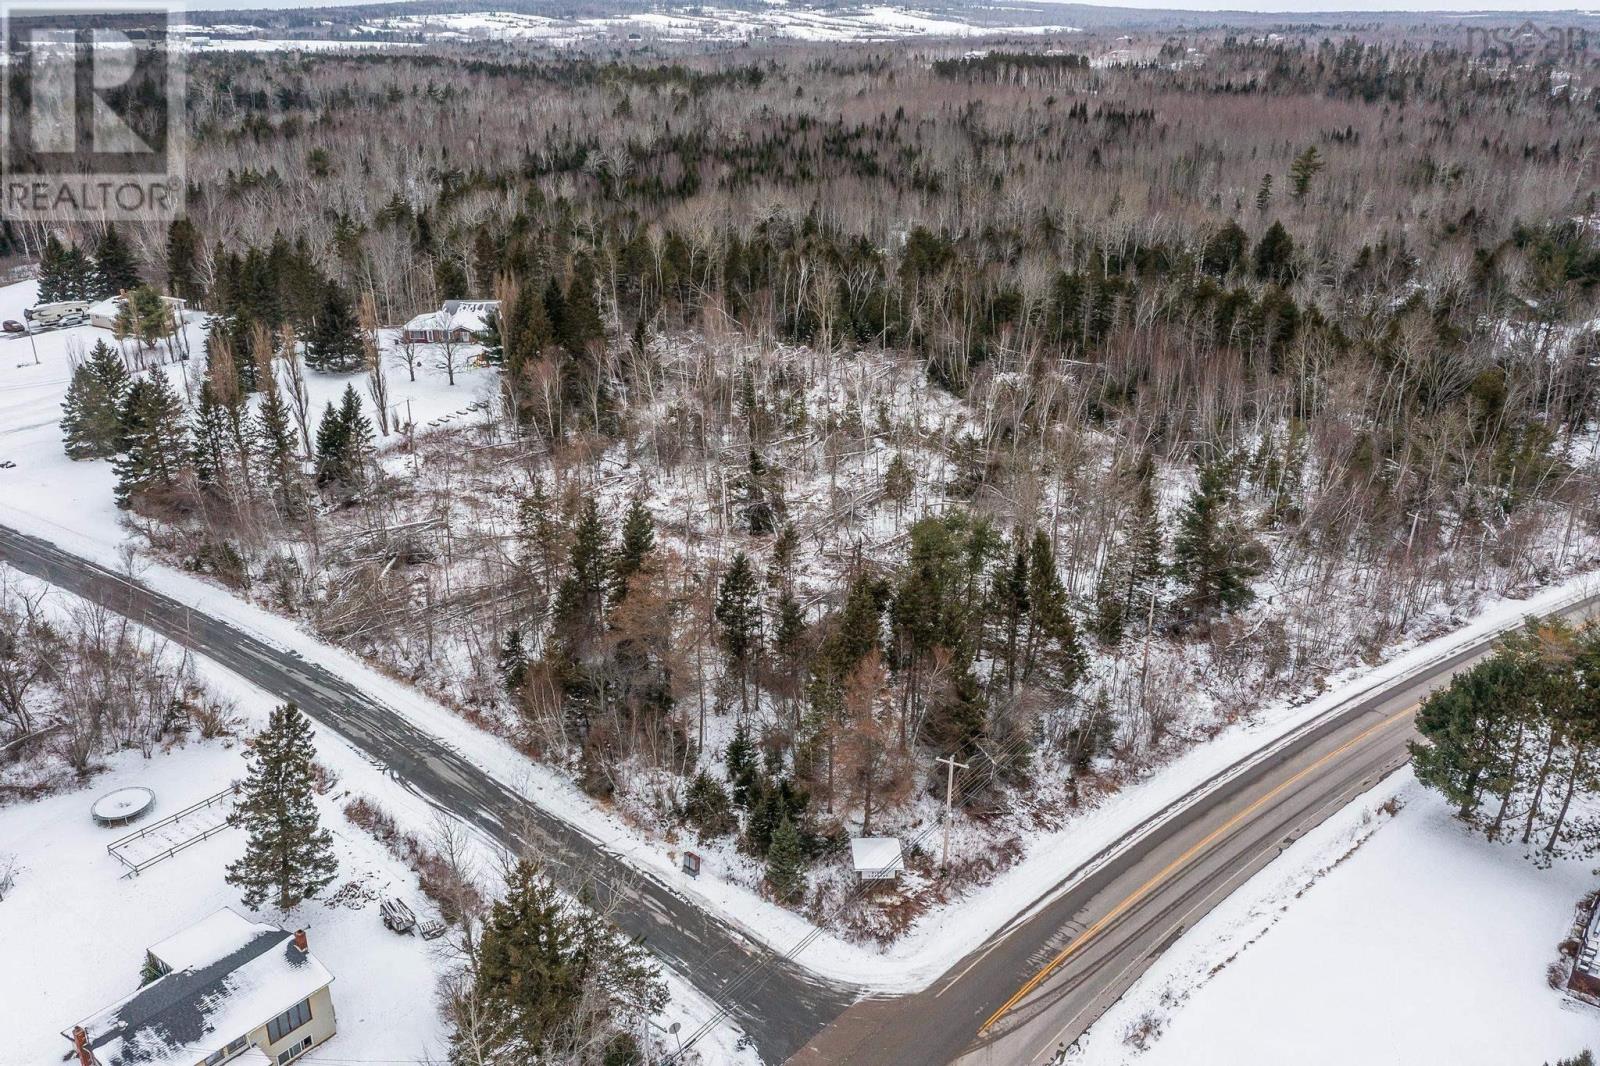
469	315
229	976
877	857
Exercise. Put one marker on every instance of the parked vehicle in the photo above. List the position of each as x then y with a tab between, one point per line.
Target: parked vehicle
11	325
60	313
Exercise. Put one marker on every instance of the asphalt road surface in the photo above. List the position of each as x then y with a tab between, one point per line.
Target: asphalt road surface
1033	987
778	1004
1036	986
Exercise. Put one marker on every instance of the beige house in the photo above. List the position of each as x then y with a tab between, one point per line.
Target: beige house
229	990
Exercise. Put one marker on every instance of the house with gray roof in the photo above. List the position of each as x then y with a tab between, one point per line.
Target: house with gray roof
226	989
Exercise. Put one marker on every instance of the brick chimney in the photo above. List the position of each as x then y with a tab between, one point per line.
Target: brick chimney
300	941
80	1043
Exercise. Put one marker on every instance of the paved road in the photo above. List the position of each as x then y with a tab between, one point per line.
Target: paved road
1039	984
780	1011
1042	980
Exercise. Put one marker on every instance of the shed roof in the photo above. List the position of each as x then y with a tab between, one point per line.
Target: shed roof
877	856
229	976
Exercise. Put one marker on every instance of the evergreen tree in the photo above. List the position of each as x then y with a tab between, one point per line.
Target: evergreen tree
115	269
1052	650
77	275
708	807
785	869
1274	255
513	664
550	979
183	256
210	441
1225	250
54	282
91	413
1306	166
149	316
151	440
333	342
275	436
289	856
638	541
332	446
741	761
738	614
581	598
1212	555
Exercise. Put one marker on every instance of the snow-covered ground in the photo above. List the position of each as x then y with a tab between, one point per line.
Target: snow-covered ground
71	911
71	504
780	20
1376	938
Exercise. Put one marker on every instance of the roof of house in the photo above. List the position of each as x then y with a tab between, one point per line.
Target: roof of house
469	315
878	856
229	976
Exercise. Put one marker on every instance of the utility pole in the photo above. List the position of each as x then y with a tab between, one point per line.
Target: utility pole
949	803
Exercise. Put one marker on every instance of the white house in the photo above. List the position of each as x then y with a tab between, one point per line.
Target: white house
230	990
461	321
877	858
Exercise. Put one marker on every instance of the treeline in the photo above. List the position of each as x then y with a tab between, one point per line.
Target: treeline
1514	742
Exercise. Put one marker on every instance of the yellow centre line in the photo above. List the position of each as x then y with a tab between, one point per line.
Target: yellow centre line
1181	861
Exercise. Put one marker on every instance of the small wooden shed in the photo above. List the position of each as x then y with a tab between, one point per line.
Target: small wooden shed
877	858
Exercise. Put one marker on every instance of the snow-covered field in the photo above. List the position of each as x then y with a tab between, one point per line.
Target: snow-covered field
1376	938
779	20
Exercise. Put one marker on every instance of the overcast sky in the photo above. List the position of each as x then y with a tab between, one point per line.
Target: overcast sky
1299	6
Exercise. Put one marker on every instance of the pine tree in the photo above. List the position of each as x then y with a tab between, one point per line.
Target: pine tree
898	483
741	761
1052	649
209	445
289	856
151	440
115	269
275	436
708	807
1274	255
738	614
581	598
1008	598
91	414
549	979
513	663
149	315
1306	166
183	255
1211	555
54	284
333	342
785	870
333	446
638	541
77	275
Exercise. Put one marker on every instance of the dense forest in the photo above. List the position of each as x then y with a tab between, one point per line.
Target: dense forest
858	407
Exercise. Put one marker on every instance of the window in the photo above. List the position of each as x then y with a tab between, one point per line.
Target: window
291	1052
233	1048
289	1021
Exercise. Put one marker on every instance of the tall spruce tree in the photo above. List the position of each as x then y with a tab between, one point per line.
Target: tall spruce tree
289	856
183	260
638	541
54	283
91	413
151	441
738	614
275	437
115	268
551	982
1212	555
333	342
785	862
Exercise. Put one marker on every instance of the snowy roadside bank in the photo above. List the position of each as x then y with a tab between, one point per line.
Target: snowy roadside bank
1426	944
